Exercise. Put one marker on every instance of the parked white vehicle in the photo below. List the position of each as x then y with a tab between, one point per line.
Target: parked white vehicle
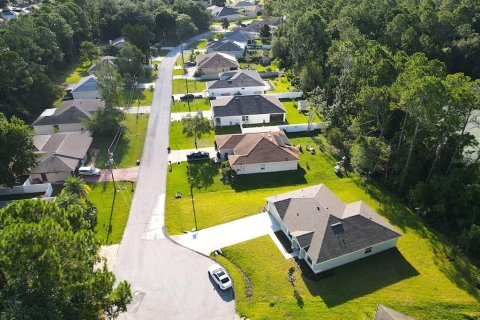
220	276
88	171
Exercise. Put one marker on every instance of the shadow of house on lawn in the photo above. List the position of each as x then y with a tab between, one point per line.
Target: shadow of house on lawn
361	277
103	143
269	180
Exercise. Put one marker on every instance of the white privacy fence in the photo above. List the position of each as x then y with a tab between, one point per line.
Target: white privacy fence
45	188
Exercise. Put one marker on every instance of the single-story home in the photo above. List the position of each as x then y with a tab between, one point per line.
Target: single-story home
233	48
211	64
86	88
326	232
240	82
70	116
118	43
256	25
251	109
384	313
59	155
248	8
9	14
240	36
104	61
258	152
220	13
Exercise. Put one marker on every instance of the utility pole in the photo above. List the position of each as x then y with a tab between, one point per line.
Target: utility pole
191	195
186	80
110	164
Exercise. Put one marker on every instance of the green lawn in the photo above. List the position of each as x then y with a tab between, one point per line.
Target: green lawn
293	115
142	97
281	84
193	86
195	105
178	72
130	146
71	73
413	279
179	141
113	209
256	66
197	45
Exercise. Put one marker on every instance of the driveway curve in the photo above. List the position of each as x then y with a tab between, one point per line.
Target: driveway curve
168	281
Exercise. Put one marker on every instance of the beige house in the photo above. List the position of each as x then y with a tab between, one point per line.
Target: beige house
258	152
209	65
59	155
326	232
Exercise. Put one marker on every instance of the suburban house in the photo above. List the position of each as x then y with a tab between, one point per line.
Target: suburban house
239	36
326	232
211	64
248	8
104	61
258	152
59	155
251	109
86	88
384	313
220	13
70	116
240	82
118	43
233	48
255	26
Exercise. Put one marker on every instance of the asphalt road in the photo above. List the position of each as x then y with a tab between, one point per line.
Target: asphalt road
168	281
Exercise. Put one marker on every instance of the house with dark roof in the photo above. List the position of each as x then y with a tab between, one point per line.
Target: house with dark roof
103	62
59	155
220	13
258	152
384	313
118	43
240	82
86	88
251	109
70	116
326	232
248	8
211	64
240	36
227	46
255	26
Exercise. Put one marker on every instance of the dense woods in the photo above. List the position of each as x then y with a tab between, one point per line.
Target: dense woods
398	82
35	48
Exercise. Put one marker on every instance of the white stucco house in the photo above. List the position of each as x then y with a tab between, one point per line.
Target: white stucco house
86	88
70	116
326	232
227	46
240	82
59	155
262	152
212	64
250	109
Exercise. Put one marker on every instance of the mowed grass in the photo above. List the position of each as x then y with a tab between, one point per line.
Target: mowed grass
72	73
409	280
195	105
178	72
281	84
142	97
179	141
417	279
113	209
179	86
293	115
130	146
197	45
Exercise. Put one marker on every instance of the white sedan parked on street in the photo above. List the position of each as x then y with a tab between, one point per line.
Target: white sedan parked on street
220	276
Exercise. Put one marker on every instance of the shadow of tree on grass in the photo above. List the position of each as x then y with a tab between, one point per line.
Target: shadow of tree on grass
203	173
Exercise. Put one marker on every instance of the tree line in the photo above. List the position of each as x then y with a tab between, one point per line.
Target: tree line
397	80
36	48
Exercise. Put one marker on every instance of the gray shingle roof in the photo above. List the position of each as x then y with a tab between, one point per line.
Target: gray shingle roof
220	12
217	60
246	105
239	36
338	229
224	46
72	111
86	84
238	79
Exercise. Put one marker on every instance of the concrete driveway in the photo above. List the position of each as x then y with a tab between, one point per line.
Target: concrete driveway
207	240
181	155
124	174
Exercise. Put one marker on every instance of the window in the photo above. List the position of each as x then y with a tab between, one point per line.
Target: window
245	118
262	166
368	250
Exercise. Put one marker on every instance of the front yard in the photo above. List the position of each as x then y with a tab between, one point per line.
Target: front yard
141	97
179	141
195	105
130	146
417	279
194	86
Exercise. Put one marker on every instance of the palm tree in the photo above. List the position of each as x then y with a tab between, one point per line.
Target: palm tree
67	199
76	185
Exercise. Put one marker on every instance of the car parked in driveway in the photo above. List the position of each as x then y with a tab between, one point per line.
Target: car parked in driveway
88	171
187	97
220	276
190	64
197	155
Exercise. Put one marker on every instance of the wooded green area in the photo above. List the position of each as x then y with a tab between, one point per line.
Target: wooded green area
397	81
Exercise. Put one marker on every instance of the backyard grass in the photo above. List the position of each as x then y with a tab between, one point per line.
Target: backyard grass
130	147
142	97
256	66
193	86
195	105
410	280
281	84
293	115
197	45
179	141
72	73
113	209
